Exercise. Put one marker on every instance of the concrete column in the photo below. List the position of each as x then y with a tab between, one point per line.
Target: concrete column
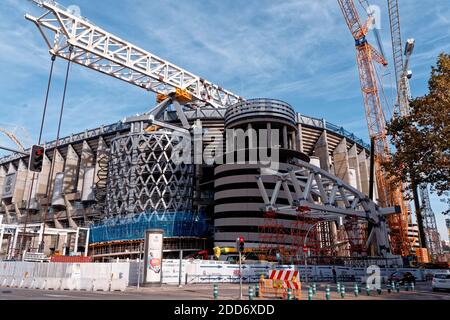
13	247
19	188
70	170
300	137
64	244
58	224
2	179
41	234
87	243
321	151
87	160
2	232
269	134
19	215
102	151
32	179
363	172
58	167
352	177
285	138
69	211
293	141
354	163
75	249
27	188
341	166
42	180
7	214
251	143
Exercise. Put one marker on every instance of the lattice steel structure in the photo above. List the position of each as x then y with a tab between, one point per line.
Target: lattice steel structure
327	197
102	51
271	236
432	237
356	235
366	55
143	177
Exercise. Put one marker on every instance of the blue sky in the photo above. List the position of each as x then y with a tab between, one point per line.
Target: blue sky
299	51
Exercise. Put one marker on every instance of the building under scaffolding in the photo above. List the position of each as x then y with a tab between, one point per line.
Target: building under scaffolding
121	237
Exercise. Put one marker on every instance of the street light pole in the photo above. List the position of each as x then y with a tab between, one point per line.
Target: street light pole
139	265
240	275
304	245
180	269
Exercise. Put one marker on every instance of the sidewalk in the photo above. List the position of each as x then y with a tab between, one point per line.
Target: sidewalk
231	292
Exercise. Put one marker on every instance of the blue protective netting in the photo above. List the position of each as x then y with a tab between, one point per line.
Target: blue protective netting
174	224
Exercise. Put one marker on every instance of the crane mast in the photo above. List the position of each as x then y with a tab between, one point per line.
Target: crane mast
74	38
401	62
376	123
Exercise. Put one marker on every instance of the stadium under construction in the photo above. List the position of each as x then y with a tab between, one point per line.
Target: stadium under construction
198	206
204	165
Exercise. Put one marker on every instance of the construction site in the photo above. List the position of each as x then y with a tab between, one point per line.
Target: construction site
317	195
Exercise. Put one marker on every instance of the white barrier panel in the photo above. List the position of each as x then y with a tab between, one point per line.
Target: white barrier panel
68	284
85	284
171	271
100	284
39	283
80	276
120	271
7	281
53	283
13	283
118	285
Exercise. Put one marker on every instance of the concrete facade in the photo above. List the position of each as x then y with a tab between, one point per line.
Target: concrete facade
80	161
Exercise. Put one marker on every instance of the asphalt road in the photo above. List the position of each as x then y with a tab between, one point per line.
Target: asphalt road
205	292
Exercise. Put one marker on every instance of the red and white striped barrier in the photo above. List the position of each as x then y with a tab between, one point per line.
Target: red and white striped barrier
288	284
283	275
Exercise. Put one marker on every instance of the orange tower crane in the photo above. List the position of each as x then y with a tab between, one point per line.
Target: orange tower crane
365	56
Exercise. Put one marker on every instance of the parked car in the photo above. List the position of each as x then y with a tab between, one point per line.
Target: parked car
402	277
441	281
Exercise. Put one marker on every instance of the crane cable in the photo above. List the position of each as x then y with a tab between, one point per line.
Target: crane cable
52	167
53	58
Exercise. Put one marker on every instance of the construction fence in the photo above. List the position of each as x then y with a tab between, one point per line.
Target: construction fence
120	275
200	271
65	276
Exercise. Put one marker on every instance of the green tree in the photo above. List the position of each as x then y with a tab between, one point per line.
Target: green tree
422	138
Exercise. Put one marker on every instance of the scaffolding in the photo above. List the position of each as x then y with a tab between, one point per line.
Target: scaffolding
59	241
133	227
305	238
356	234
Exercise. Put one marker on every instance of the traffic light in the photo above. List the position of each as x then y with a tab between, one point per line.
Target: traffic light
36	158
240	244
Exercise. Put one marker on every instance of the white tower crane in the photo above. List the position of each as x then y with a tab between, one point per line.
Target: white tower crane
102	51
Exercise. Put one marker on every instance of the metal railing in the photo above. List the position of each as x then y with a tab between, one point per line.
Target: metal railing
198	279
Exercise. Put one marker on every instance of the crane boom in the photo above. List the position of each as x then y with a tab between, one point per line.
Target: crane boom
376	123
366	54
74	38
397	54
13	138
